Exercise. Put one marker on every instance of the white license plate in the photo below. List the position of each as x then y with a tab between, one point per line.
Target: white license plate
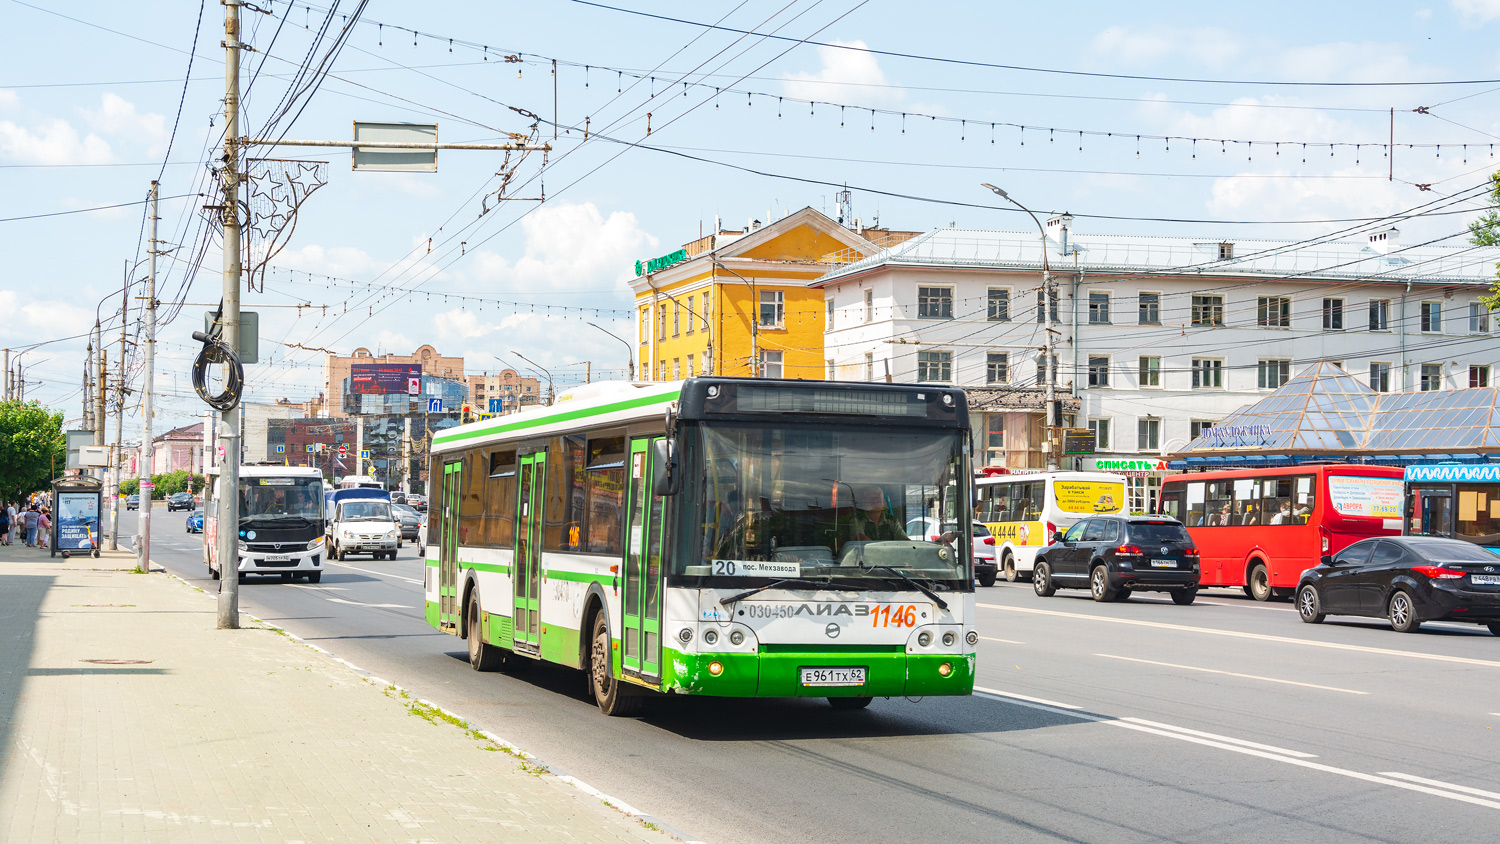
833	676
276	558
1164	564
1485	579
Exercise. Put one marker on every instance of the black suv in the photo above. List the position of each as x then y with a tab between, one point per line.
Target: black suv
180	501
1112	556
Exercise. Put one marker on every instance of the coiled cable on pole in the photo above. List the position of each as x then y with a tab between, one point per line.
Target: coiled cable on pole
216	351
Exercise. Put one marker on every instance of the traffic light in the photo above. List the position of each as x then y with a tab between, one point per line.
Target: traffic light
467	415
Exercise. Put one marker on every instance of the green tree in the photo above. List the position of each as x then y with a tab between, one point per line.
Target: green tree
1485	231
32	448
130	486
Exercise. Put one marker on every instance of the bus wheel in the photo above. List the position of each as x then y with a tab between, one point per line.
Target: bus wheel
849	702
612	699
1010	568
1259	583
1041	580
482	655
213	573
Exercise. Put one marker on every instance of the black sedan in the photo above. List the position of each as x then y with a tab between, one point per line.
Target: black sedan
180	501
411	521
1406	579
1113	556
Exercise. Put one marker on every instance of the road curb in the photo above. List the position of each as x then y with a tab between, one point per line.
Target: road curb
508	746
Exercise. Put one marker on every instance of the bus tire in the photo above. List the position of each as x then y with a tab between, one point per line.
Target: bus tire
1099	584
1258	582
1184	596
1009	566
1041	580
849	703
1309	607
613	700
1402	612
482	655
213	573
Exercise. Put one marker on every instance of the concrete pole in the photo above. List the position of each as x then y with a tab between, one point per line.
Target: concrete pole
143	548
7	375
115	509
112	479
227	536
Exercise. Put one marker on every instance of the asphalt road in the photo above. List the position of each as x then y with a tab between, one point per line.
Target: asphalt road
1224	721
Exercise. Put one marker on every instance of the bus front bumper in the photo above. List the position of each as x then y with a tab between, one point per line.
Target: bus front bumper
255	562
888	673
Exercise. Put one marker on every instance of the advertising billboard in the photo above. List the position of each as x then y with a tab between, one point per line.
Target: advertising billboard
385	379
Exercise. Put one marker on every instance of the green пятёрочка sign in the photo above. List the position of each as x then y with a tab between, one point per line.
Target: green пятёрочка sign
651	266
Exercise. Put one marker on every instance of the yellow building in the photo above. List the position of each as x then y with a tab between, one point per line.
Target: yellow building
737	302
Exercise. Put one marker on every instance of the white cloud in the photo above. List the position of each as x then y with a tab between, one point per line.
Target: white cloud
118	117
460	324
33	317
570	247
849	76
1207	45
1477	12
52	141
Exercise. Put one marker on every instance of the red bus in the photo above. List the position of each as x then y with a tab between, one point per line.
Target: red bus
1259	529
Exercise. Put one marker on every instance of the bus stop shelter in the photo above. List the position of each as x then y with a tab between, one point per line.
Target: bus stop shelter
75	519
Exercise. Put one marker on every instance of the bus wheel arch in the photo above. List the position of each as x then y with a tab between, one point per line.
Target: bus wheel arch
463	607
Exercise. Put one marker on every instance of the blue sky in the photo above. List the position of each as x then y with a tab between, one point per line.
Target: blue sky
88	104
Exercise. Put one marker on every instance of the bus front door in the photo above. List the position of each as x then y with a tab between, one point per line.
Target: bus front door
527	574
448	609
640	625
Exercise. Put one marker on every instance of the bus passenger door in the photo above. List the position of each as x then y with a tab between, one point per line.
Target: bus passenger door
640	614
527	575
448	609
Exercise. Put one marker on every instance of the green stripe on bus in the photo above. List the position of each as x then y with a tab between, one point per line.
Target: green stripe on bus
568	416
498	568
576	576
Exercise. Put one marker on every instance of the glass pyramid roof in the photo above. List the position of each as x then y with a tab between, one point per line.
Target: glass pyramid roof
1326	410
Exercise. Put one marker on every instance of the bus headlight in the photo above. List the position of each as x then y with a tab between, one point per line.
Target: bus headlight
242	544
972	638
685	635
737	637
949	639
924	638
710	637
716	668
315	544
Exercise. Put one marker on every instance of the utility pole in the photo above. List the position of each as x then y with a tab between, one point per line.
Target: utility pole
227	536
147	490
119	457
6	394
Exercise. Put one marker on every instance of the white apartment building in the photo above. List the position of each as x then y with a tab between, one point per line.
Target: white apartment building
1156	337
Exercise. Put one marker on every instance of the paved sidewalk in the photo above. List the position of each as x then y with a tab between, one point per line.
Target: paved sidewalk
232	735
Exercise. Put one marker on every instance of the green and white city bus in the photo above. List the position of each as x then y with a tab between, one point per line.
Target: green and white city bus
715	536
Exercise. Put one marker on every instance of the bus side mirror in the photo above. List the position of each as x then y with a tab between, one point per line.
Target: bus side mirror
664	473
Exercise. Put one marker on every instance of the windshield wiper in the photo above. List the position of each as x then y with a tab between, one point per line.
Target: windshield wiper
909	579
827	581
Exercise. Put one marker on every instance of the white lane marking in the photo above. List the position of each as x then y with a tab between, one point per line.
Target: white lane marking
1263	637
319	588
1233	674
1440	784
1216	737
1006	641
372	571
376	606
1247	751
1038	700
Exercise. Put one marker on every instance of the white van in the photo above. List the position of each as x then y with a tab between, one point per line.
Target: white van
363	526
1024	512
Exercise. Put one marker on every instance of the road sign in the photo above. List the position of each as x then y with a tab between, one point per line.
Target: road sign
281	449
309	448
364	454
434	405
496	405
343	449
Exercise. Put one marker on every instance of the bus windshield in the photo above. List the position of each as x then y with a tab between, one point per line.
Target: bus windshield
813	502
265	500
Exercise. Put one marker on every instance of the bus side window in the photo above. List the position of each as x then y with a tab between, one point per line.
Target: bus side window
1306	498
1171	502
1035	493
1194	508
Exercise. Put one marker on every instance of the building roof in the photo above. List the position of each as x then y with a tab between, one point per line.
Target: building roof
193	432
1324	410
1113	253
993	400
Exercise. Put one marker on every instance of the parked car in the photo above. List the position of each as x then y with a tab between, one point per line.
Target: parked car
417	501
410	520
195	522
1407	580
179	501
985	567
132	502
1114	556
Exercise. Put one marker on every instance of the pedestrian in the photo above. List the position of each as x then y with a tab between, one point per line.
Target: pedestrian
33	518
43	529
10	510
4	524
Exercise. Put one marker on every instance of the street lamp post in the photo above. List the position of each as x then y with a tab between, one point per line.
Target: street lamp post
629	353
1049	370
550	394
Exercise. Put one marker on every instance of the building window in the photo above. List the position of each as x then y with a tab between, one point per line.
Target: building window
676	369
1197	427
1147	434
1380	314
1479	376
1041	369
692	316
661	370
1479	318
935	367
1150	309
869	366
1380	377
1333	314
996	367
999	300
1432	377
661	322
1432	316
994	442
1208	374
1100	427
830	371
935	303
645	325
1274	373
770	364
706	307
1208	310
1226	252
869	306
1098	309
830	314
1150	371
1273	311
690	371
1098	371
676	316
772	309
1041	309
